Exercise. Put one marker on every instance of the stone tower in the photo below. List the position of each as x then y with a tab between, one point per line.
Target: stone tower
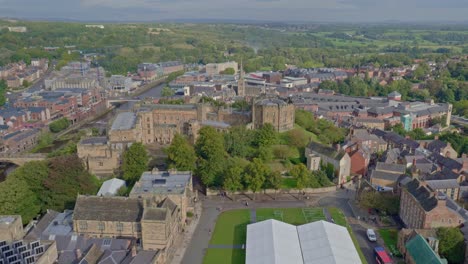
241	82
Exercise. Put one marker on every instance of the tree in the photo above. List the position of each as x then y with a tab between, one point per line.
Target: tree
17	198
302	175
26	83
417	134
233	179
282	152
451	244
266	136
297	138
135	162
238	141
255	175
399	129
229	71
211	156
274	180
180	154
59	125
167	91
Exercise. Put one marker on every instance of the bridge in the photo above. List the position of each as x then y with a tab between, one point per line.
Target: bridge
459	120
21	159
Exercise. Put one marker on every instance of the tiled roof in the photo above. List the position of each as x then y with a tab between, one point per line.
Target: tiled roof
424	196
100	208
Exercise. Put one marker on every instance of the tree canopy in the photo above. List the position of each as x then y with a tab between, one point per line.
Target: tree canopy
180	154
135	162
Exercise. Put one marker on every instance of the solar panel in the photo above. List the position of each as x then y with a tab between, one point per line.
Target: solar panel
35	244
29	260
4	248
2	243
17	244
12	258
26	254
16	262
1	261
8	253
22	249
39	250
106	242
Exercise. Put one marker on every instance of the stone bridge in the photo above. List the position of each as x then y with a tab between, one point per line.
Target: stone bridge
21	159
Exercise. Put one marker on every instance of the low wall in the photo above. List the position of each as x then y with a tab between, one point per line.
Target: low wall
281	191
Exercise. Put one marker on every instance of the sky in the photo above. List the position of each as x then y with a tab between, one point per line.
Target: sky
261	10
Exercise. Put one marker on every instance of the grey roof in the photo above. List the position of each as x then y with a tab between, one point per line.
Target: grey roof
124	121
444	174
385	175
94	141
271	102
165	182
326	150
391	167
436	145
98	208
394	93
144	257
424	196
36	232
443	184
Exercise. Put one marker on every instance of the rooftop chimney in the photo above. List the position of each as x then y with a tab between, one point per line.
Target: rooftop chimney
436	137
78	253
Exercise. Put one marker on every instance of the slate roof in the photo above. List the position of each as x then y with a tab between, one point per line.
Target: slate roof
326	150
99	208
421	251
445	162
424	196
94	141
436	145
444	174
384	175
391	167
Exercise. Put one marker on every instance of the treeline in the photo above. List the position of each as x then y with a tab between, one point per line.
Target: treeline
241	159
325	130
40	185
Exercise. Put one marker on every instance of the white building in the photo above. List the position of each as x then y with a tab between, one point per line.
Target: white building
110	187
217	68
275	242
119	83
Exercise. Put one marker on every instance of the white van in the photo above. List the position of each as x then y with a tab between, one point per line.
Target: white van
371	235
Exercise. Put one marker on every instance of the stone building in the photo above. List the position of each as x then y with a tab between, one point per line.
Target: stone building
277	112
159	185
317	153
217	68
156	224
11	228
423	208
99	156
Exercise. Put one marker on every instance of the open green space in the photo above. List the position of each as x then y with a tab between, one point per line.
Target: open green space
294	216
390	238
288	183
227	256
231	228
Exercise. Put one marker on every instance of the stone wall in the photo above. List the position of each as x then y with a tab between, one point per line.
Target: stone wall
284	191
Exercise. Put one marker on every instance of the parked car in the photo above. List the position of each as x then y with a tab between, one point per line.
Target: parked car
371	235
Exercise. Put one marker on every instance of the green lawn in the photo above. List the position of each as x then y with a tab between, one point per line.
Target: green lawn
230	229
294	216
390	238
288	183
228	256
340	219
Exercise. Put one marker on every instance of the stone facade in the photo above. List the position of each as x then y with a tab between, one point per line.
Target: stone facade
100	157
276	112
157	224
11	228
340	160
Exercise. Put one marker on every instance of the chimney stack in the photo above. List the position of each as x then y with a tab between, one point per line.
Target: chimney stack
78	253
436	137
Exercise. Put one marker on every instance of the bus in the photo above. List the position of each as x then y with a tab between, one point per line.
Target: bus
381	256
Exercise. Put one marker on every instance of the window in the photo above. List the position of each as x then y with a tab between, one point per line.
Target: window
119	227
101	163
83	225
101	226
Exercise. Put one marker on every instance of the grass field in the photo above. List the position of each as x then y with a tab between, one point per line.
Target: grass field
294	216
231	229
390	237
288	183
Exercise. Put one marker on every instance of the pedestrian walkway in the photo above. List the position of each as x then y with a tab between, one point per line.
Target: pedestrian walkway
253	216
239	246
